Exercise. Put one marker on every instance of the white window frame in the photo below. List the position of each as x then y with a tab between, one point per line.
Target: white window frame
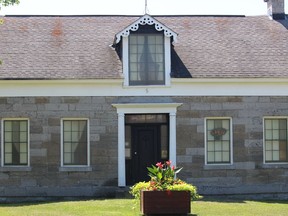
264	146
231	140
88	145
167	60
2	142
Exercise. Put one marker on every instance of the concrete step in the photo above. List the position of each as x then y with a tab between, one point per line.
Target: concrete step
123	192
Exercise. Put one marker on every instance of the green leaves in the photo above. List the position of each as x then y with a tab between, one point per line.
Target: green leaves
178	169
155	173
163	174
9	2
163	178
136	189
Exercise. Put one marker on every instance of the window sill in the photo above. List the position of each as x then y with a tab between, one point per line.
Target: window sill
274	165
75	169
15	169
218	166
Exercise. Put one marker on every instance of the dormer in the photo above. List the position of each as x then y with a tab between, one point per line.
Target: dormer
145	49
276	9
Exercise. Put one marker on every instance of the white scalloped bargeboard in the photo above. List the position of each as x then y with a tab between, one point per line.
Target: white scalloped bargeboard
146	20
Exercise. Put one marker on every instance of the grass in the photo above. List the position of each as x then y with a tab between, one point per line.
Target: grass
121	207
240	208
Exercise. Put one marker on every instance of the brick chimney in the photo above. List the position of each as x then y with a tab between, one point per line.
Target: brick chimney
276	9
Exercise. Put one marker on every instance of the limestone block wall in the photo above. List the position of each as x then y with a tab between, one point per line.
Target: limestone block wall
248	173
44	176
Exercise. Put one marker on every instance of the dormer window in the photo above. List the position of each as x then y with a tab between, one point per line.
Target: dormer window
146	52
146	59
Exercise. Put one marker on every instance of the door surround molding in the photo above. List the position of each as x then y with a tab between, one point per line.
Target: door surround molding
143	108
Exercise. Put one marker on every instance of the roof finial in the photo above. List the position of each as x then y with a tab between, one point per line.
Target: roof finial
146	7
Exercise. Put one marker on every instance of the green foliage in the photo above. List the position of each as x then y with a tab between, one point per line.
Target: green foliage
183	186
163	178
137	188
162	175
8	2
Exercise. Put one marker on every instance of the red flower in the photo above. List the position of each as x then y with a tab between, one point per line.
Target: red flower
173	167
159	164
168	163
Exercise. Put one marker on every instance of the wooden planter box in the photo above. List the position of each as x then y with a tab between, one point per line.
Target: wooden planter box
165	202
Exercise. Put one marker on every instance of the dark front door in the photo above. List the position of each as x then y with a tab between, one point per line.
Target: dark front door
145	150
146	143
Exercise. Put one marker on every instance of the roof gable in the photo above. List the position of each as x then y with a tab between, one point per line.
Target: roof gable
145	20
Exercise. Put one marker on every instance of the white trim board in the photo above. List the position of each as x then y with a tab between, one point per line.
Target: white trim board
115	87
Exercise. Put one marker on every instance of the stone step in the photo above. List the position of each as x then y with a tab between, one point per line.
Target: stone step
123	192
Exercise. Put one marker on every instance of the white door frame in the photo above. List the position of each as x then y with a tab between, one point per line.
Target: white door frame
143	108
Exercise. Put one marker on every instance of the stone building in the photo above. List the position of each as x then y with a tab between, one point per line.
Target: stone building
88	102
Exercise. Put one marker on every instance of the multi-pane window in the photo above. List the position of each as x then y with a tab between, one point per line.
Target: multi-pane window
275	140
218	141
15	142
75	142
146	59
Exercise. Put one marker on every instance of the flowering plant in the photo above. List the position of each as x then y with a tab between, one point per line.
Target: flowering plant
218	133
163	179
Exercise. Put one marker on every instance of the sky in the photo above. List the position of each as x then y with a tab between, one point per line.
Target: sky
137	7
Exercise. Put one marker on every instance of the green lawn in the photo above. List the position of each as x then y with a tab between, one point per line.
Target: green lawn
124	207
241	208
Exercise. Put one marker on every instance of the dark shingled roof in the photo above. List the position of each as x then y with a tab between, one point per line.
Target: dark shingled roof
77	47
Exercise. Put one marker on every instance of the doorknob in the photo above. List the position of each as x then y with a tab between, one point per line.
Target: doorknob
135	153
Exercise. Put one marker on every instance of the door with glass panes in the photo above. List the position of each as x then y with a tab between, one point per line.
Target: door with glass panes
146	143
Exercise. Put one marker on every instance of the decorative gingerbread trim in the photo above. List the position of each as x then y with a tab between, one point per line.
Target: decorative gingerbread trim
145	20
